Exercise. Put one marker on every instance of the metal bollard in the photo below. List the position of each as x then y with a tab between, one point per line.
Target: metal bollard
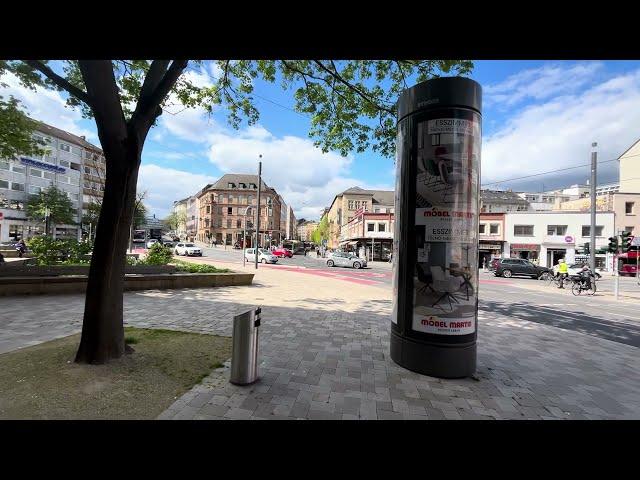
244	355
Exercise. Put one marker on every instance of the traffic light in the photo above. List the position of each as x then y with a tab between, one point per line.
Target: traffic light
586	248
613	245
626	241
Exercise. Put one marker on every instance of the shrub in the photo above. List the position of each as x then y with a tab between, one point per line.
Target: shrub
158	254
188	267
48	251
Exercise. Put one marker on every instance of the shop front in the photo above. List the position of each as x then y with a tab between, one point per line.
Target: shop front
488	251
529	251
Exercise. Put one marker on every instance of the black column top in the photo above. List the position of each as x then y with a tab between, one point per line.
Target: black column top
440	92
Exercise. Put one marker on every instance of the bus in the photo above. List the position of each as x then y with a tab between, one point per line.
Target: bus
628	263
139	236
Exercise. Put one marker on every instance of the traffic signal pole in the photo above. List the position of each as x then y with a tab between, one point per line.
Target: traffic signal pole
592	247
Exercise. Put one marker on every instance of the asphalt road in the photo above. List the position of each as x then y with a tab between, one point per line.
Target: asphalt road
519	298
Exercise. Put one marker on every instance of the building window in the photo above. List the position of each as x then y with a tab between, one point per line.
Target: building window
75	166
243	185
206	223
481	228
238	223
35	189
15	232
229	210
523	230
34	172
64	163
48	175
350	205
381	227
586	230
221	198
4	184
18	187
628	229
17	169
270	212
228	223
4	165
556	229
230	198
628	208
65	148
371	227
242	200
208	208
231	185
494	228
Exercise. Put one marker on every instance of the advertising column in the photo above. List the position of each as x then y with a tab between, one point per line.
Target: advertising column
435	283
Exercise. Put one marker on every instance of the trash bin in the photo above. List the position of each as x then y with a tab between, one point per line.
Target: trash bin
244	354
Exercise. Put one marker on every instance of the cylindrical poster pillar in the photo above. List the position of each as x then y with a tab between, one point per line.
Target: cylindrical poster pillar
435	250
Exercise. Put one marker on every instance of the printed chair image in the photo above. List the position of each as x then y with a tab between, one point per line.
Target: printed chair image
425	278
445	284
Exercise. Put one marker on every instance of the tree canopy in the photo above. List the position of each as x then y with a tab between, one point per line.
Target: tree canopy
16	130
53	201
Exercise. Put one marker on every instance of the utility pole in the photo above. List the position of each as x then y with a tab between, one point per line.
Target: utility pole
258	210
594	162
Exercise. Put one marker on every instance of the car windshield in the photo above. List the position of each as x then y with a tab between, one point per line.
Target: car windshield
189	245
266	252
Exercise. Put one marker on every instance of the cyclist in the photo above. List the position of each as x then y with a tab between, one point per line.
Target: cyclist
586	274
563	271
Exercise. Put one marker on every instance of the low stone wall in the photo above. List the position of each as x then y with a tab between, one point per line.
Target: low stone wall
78	284
11	253
10	270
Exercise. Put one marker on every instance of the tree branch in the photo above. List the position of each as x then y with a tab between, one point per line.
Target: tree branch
148	108
156	72
352	87
59	81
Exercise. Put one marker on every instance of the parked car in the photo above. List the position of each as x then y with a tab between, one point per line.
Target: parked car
343	259
508	267
575	268
187	249
151	241
168	243
282	252
264	255
175	238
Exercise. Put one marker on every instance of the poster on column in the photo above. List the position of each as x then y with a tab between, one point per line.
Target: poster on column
446	225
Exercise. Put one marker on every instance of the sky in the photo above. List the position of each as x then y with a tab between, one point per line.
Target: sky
537	116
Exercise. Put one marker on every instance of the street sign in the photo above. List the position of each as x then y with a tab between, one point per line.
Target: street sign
635	241
568	239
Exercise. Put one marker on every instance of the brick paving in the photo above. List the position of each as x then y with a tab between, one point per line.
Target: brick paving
324	355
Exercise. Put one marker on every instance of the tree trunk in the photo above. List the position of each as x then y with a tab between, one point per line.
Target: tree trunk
103	328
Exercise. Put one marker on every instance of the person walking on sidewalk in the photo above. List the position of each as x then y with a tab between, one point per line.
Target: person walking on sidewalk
563	271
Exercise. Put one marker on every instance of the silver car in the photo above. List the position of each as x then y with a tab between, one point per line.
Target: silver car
343	259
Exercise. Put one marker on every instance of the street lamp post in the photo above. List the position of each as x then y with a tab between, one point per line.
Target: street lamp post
258	210
244	237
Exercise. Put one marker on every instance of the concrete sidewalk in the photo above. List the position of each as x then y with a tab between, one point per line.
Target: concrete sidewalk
325	355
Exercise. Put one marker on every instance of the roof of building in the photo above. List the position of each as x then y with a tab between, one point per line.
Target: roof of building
501	197
66	136
382	197
237	178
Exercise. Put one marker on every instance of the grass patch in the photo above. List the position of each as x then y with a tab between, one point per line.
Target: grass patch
42	382
188	267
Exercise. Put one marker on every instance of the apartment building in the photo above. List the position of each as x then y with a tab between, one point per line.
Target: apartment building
290	228
545	237
305	230
72	164
346	204
180	209
502	201
223	217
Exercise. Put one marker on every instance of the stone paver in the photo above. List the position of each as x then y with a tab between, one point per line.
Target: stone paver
325	355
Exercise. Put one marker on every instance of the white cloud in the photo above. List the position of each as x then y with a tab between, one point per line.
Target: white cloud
559	133
47	106
540	83
166	185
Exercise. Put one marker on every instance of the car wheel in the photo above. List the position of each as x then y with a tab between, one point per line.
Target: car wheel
263	261
507	273
330	263
356	265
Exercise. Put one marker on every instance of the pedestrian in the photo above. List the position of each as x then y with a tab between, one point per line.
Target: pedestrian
21	247
1	259
305	251
485	263
318	252
391	256
563	271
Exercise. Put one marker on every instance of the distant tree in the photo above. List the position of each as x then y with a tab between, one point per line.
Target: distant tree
16	130
52	203
321	232
175	219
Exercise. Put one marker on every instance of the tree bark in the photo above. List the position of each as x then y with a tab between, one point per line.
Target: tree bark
103	327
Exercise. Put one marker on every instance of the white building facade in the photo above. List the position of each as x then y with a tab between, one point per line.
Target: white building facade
62	165
545	237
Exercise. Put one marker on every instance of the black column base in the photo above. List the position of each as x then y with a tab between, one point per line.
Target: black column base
441	361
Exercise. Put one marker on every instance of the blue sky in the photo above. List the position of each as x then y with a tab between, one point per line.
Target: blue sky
537	116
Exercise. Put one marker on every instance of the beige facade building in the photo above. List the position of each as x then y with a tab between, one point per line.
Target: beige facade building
223	206
630	169
345	205
305	230
626	207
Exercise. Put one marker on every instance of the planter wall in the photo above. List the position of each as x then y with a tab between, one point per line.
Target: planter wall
9	270
26	285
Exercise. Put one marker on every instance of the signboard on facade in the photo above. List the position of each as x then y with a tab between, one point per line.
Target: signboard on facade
42	165
525	246
568	239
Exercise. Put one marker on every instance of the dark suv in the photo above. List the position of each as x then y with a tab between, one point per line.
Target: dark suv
507	267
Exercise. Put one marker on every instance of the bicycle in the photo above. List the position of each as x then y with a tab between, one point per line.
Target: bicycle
580	285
